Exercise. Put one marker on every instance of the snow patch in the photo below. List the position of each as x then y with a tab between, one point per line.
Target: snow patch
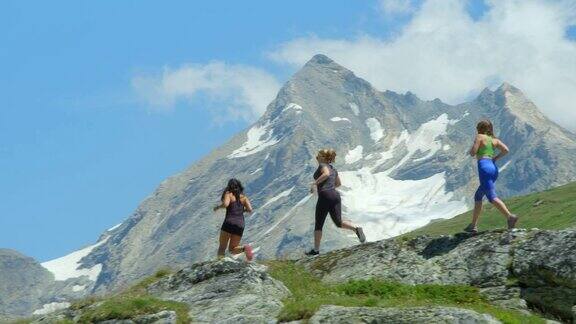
258	139
354	155
77	288
504	166
67	266
255	171
376	131
446	147
354	108
113	227
337	119
387	207
283	194
50	308
294	106
424	140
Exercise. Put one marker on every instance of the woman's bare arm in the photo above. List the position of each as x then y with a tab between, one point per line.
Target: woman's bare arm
338	182
476	145
247	205
325	174
225	202
502	148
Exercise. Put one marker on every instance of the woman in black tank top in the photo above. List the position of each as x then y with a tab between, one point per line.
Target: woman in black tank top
329	201
236	203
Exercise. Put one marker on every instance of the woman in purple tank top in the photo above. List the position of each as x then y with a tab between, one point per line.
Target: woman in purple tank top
235	203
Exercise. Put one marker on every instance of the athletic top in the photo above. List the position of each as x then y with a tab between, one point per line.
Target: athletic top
235	213
486	150
330	182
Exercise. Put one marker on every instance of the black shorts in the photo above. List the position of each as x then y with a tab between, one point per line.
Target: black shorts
328	202
232	229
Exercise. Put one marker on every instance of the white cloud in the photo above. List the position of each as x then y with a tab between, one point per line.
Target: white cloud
443	52
243	91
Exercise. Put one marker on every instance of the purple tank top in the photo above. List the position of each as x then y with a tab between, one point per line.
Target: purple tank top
235	213
330	182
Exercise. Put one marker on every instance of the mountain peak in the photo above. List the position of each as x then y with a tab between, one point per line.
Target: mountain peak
507	87
320	59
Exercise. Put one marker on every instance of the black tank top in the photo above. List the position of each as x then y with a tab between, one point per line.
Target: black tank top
330	182
235	213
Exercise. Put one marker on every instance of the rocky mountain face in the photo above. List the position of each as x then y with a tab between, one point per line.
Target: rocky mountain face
522	270
403	162
22	283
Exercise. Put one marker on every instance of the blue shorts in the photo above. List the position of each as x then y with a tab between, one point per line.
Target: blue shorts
488	173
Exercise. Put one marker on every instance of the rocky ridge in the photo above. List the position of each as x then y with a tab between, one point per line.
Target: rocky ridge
523	270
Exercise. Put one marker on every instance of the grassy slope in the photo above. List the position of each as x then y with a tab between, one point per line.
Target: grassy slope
130	303
550	209
309	293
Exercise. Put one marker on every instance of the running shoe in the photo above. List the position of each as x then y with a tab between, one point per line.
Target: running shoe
248	251
312	252
360	234
512	221
471	229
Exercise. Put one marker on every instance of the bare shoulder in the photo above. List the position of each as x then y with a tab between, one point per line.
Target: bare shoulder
497	142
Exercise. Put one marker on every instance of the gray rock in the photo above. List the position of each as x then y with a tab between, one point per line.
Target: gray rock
547	258
482	260
226	290
353	315
23	282
540	264
506	297
163	317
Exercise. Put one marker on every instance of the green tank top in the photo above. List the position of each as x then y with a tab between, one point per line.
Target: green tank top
486	150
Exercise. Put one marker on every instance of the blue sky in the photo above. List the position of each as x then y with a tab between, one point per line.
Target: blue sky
81	146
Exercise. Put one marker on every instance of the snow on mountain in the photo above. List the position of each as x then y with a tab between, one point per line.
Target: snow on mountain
69	266
376	131
259	138
354	107
50	308
354	155
337	119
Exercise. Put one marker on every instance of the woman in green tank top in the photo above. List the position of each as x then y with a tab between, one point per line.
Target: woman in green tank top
483	150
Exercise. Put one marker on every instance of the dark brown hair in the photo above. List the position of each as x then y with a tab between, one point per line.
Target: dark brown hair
485	127
235	187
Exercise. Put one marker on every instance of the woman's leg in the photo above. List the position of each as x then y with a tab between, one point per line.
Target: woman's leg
224	238
336	215
501	206
317	240
320	218
234	245
476	213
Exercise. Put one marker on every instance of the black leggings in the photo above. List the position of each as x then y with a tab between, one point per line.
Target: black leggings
328	202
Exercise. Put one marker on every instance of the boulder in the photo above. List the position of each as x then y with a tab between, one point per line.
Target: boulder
338	314
224	291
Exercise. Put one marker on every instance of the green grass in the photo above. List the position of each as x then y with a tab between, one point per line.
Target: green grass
550	209
128	304
309	293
